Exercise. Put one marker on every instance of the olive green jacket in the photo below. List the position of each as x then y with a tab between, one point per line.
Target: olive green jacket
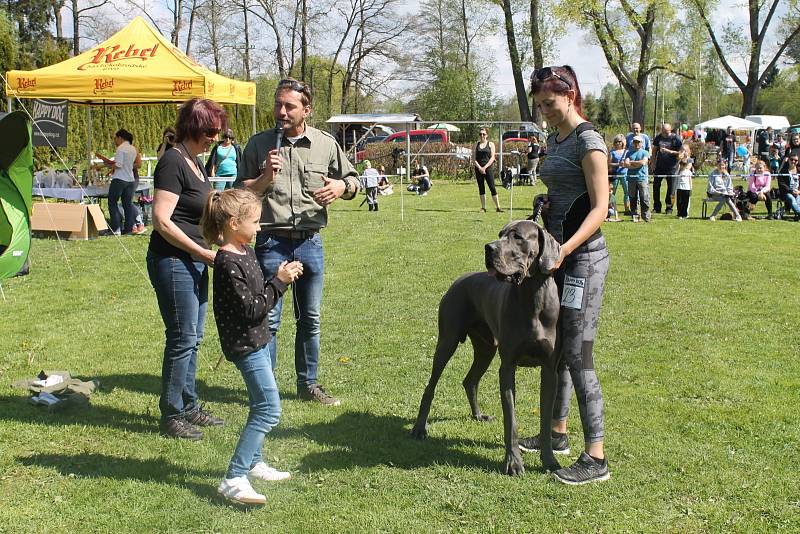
289	201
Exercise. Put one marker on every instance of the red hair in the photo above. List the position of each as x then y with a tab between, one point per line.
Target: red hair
196	116
560	85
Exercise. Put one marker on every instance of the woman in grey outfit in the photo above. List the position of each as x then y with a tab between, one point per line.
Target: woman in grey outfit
576	175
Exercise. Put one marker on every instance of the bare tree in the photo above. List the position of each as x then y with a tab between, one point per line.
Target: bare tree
270	17
79	13
756	37
516	64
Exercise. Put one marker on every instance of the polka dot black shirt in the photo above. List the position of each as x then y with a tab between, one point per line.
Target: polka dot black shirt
242	301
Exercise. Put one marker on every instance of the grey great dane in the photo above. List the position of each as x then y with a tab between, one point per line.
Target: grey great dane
513	308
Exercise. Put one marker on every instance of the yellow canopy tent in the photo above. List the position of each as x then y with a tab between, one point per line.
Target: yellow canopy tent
137	65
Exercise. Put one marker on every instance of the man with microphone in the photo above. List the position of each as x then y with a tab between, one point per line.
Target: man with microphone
299	170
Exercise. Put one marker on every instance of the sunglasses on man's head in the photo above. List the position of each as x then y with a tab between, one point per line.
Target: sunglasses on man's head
294	85
548	73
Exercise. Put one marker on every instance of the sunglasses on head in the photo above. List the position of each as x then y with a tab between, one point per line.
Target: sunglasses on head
548	73
294	85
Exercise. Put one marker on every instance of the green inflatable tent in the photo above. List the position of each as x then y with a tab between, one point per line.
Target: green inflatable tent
16	187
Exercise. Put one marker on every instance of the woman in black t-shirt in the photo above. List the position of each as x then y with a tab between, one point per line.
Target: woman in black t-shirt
177	263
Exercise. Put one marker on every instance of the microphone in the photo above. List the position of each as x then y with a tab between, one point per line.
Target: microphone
278	135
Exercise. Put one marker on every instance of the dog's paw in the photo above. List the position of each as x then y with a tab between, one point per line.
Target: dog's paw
483	417
514	465
419	432
550	465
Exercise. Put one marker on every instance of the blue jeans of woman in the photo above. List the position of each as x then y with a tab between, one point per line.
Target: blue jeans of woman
121	189
306	293
265	410
620	180
181	287
793	202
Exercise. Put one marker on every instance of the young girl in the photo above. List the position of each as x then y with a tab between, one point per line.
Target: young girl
684	186
758	186
241	302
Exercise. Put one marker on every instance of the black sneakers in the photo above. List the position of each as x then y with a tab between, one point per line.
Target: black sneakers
179	428
583	471
315	393
203	417
532	444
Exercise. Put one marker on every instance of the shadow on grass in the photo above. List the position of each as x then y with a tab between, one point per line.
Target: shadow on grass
18	409
361	439
147	383
88	465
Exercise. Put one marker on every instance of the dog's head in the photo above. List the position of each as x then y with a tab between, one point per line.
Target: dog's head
523	250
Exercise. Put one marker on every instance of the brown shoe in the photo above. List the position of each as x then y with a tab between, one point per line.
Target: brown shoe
315	393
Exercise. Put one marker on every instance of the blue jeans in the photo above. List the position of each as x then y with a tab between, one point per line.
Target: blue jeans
620	179
265	410
181	287
793	202
306	293
123	189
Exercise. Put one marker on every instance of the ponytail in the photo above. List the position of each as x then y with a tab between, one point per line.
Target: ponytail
221	207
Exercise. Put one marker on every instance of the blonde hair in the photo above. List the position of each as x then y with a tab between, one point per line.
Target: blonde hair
221	207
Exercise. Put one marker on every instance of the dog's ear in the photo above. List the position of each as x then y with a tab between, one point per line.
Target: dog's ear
549	251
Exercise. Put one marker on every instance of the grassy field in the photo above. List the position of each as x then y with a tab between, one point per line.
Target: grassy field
697	354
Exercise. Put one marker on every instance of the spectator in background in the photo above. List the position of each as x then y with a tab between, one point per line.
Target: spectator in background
385	187
534	150
483	157
422	179
743	153
792	149
720	188
789	186
637	165
167	141
370	179
617	171
728	146
774	160
758	185
684	184
122	182
764	141
636	129
223	160
666	148
780	144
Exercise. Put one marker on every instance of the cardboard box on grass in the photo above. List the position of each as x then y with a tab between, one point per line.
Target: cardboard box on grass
71	221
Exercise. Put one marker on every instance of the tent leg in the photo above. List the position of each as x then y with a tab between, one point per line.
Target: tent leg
8	102
255	130
89	140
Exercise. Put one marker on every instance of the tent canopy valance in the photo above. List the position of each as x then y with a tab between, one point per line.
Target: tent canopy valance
137	65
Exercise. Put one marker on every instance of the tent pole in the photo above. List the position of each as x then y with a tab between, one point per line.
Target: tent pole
89	139
255	129
8	101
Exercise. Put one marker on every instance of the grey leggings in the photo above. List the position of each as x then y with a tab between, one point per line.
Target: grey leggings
580	283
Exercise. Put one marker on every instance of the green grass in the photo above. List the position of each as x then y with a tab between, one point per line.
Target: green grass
697	354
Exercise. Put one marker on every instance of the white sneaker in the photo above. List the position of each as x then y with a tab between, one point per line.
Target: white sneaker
262	471
239	490
712	218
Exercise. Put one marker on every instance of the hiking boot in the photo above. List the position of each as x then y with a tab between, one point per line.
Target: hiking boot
203	417
239	490
533	444
583	471
262	471
314	392
179	428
